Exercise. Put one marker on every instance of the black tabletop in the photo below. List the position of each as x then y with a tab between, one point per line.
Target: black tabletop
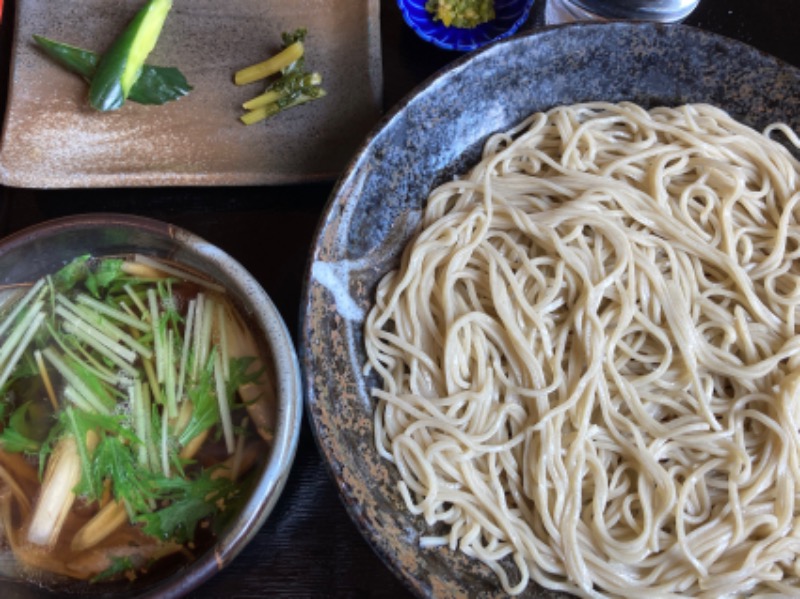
309	547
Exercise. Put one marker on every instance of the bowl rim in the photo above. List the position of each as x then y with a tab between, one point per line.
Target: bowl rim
289	390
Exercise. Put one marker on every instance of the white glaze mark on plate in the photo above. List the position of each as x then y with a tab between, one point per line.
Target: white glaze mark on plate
335	277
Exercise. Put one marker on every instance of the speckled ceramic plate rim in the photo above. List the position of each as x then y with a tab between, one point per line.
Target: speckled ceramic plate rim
362	231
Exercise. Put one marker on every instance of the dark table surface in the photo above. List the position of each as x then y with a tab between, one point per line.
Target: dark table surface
309	547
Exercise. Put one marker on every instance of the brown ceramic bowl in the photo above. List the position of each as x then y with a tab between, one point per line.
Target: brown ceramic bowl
44	248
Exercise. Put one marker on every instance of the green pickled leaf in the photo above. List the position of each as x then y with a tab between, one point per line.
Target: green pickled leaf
159	85
79	61
290	37
155	85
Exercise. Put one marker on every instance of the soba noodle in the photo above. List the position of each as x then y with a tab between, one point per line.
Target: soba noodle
590	359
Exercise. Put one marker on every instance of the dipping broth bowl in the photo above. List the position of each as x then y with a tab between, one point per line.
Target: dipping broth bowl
42	249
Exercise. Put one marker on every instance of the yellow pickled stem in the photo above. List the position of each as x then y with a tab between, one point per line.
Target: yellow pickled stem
262	100
258	115
272	65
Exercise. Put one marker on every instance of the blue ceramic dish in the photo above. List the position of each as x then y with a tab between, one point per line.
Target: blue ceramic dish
509	17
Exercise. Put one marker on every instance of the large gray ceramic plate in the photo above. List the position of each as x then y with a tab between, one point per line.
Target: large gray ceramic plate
52	138
438	132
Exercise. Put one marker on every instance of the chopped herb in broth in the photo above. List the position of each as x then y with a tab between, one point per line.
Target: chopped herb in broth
133	405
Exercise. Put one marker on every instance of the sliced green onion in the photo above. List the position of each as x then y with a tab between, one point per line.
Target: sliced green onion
181	274
108	328
19	331
73	379
153	385
140	412
80	402
21	347
92	335
88	360
20	305
158	342
224	408
111	312
187	335
111	330
150	411
222	331
100	348
135	298
169	377
82	449
75	398
164	446
45	376
152	445
204	332
197	363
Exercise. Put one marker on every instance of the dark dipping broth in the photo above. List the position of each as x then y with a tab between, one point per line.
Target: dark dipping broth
135	411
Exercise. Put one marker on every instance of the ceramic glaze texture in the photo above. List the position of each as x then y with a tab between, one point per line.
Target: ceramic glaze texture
52	138
433	135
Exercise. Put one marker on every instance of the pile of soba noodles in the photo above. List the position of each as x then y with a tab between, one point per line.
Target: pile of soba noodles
590	359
